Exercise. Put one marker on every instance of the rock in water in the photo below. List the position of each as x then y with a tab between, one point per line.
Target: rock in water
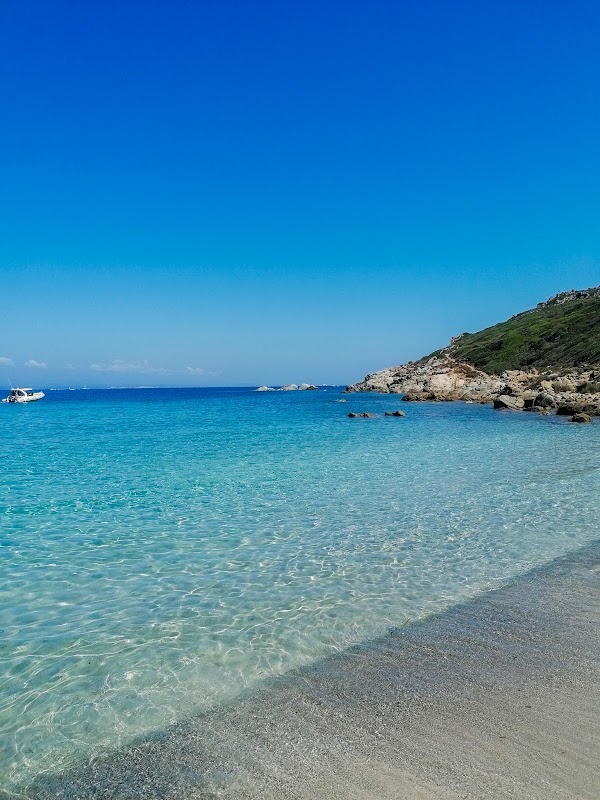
415	397
581	417
265	389
569	409
509	401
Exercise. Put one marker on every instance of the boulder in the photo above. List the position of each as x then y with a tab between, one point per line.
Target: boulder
506	390
353	414
306	387
545	400
509	401
291	387
368	415
395	413
581	417
569	409
538	409
442	397
592	409
265	389
415	397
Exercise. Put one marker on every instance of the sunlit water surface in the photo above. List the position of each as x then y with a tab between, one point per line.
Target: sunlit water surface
163	551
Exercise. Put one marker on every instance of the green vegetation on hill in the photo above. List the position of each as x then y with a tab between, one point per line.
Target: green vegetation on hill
564	332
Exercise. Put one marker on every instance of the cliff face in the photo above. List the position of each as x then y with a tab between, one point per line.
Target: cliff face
552	352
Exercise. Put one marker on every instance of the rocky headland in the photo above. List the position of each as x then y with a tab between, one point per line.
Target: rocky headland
543	360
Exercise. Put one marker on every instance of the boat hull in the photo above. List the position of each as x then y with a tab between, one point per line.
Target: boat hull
30	398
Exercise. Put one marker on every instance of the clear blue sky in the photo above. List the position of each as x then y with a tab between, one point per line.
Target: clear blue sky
235	193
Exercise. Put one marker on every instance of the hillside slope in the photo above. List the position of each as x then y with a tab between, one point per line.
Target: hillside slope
562	333
545	358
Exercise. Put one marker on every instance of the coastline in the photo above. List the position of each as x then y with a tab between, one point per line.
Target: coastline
543	359
497	697
442	378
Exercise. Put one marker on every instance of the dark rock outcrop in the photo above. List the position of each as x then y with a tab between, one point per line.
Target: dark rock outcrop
569	409
545	400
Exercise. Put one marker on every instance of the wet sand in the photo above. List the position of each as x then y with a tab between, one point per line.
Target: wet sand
496	698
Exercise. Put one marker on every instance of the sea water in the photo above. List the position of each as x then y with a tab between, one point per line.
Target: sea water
163	552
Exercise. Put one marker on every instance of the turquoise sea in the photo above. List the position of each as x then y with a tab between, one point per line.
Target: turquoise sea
165	551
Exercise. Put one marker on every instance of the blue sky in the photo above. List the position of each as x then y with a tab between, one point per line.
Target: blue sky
236	193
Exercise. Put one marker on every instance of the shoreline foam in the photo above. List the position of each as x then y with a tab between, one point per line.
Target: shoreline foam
498	697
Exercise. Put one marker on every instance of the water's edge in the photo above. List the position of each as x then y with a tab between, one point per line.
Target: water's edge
166	554
392	702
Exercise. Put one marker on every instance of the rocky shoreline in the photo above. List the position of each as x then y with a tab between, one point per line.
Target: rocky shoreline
441	377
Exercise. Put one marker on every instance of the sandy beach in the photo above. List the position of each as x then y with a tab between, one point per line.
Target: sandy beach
496	698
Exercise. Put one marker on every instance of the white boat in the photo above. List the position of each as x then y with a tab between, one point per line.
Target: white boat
23	396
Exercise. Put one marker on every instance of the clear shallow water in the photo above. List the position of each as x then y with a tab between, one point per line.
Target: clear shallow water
163	551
